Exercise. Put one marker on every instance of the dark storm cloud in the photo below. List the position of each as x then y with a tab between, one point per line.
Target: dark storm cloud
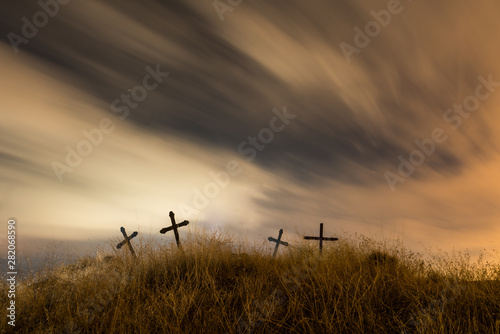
219	94
353	119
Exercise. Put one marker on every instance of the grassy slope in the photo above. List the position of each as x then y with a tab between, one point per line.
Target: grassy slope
352	288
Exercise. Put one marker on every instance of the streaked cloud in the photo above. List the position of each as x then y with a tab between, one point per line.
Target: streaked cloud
353	119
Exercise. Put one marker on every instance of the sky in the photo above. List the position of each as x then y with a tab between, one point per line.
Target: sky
376	118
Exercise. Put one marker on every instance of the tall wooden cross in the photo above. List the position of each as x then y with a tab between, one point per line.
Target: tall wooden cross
174	227
127	240
321	238
278	242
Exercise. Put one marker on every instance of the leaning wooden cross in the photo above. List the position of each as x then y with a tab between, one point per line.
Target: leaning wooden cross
127	241
174	227
321	238
278	242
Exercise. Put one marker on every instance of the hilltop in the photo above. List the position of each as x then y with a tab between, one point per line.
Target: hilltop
355	286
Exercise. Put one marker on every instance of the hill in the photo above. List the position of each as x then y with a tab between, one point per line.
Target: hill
355	286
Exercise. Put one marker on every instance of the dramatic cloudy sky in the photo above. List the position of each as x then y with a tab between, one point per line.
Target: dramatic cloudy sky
351	107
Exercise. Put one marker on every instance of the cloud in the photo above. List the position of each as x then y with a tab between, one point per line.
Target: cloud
353	119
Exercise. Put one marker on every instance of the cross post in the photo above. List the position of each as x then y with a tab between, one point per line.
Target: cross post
127	240
174	228
321	238
278	242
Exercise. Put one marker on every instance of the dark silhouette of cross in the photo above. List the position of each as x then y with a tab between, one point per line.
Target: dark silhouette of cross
127	240
278	242
321	238
174	227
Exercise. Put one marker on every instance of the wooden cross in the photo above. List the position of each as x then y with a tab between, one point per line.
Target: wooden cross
127	240
321	238
278	242
174	227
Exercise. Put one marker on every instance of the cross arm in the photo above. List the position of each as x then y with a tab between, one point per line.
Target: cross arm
126	239
170	228
318	238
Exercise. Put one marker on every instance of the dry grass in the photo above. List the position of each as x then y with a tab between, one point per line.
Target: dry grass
356	286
